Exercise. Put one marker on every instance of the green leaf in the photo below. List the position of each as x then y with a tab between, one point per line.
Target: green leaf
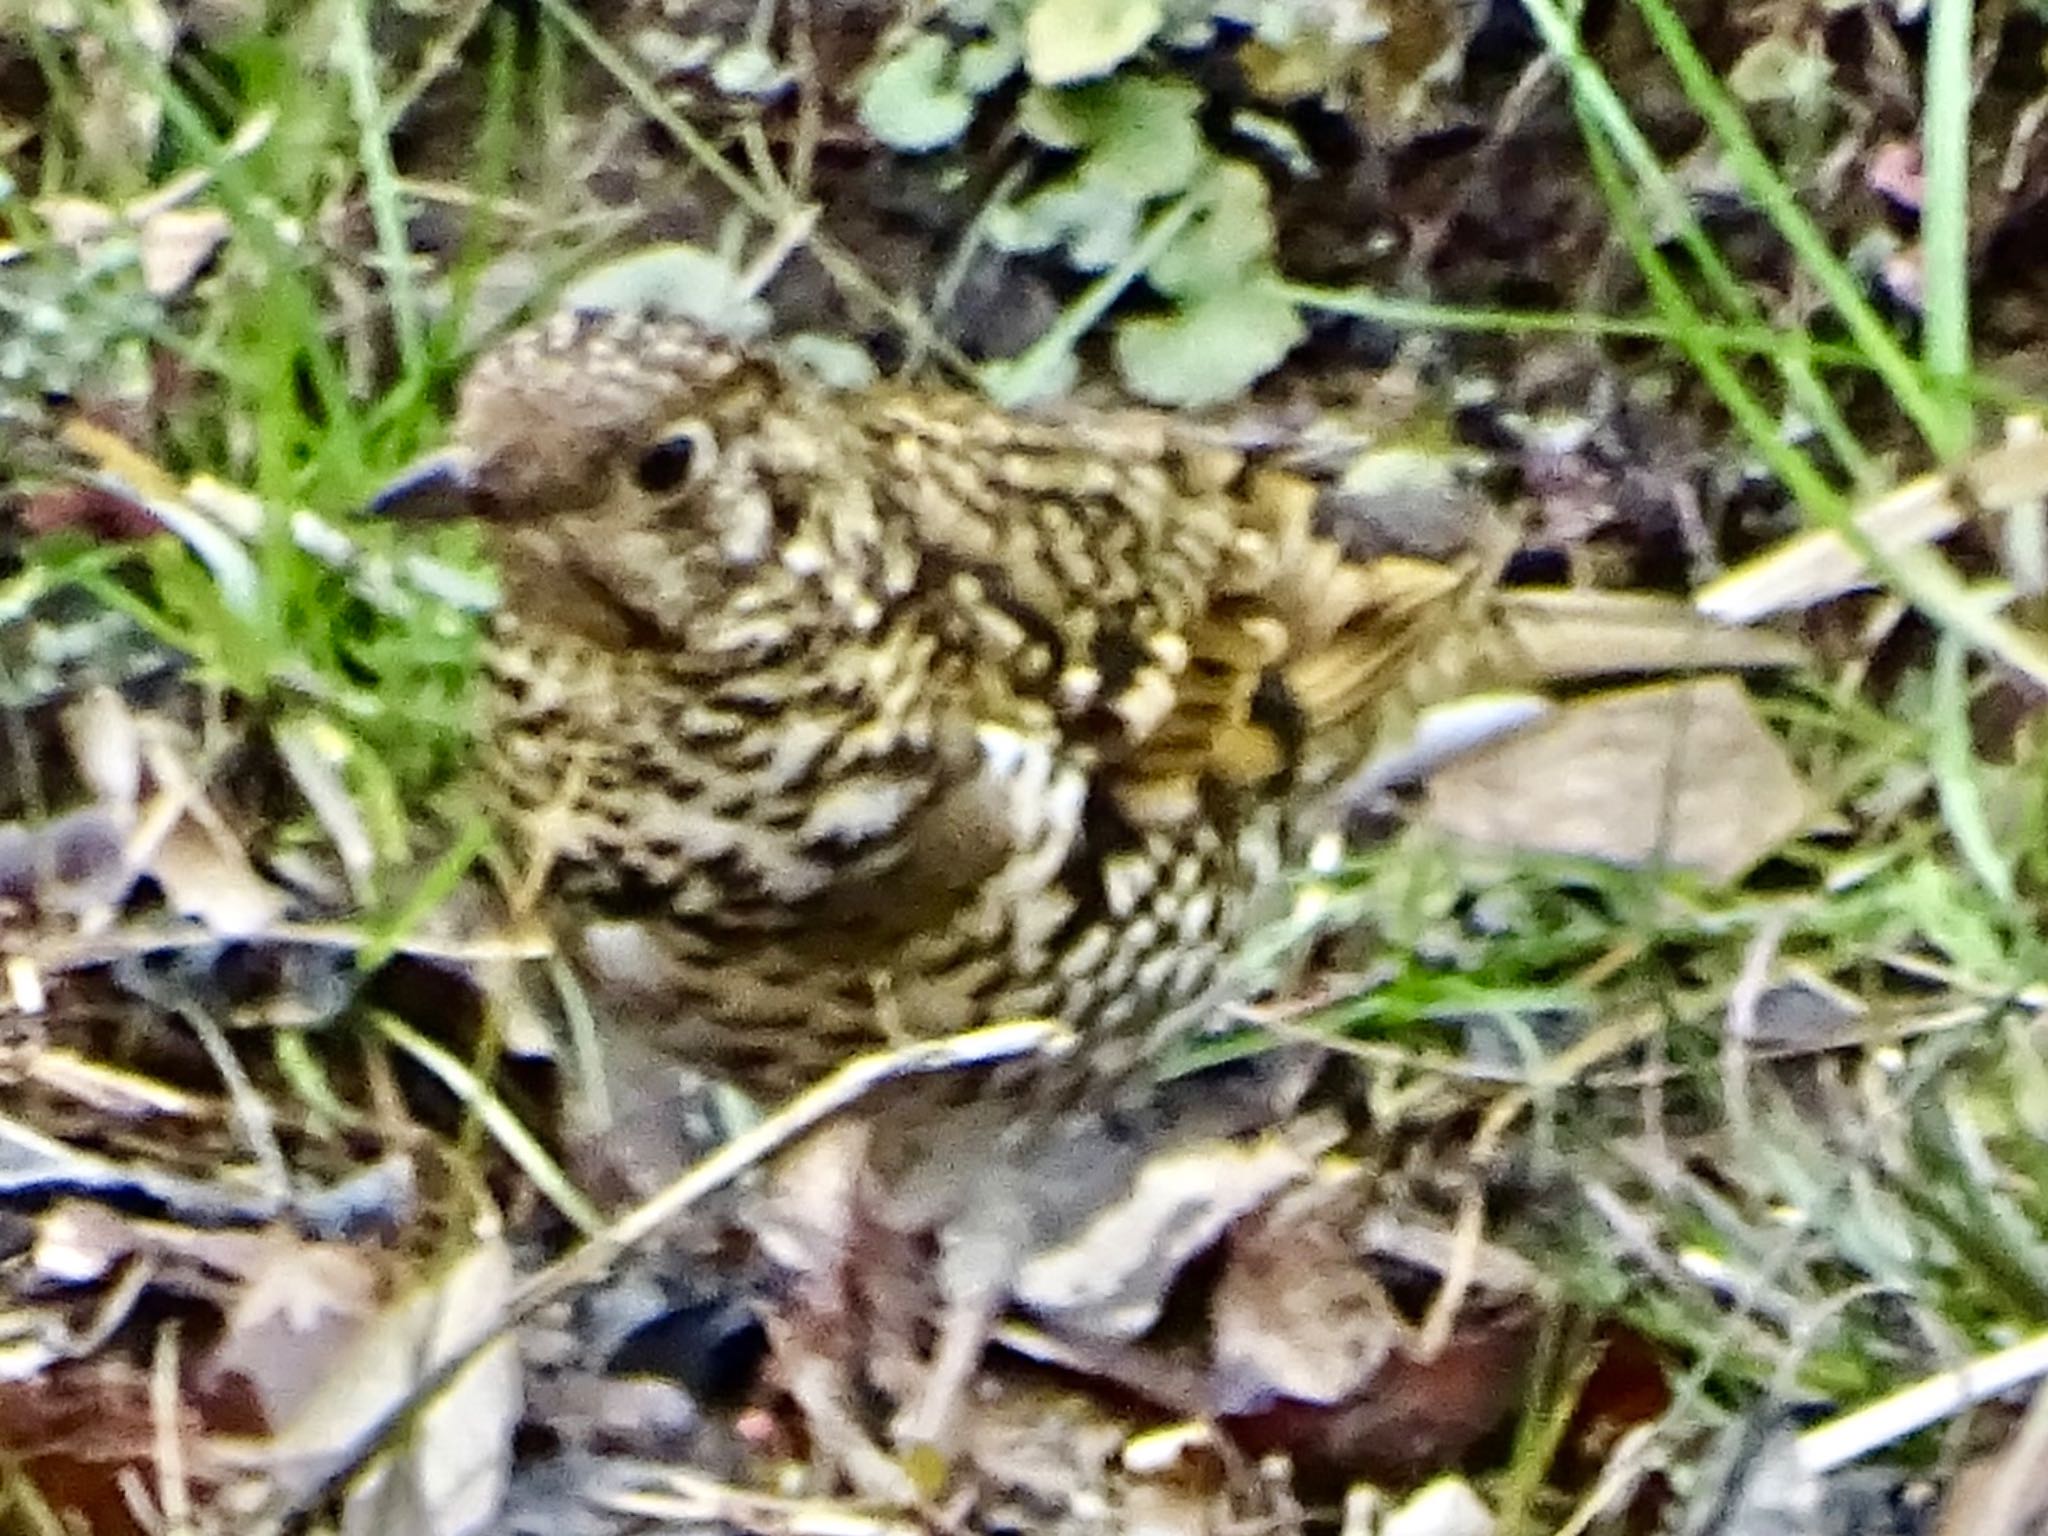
1231	236
1137	141
673	279
1778	70
1055	118
1098	223
1071	40
1141	134
912	102
1936	901
1210	350
1027	379
986	62
750	70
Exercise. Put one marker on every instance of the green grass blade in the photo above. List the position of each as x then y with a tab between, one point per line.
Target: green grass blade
1944	208
1809	243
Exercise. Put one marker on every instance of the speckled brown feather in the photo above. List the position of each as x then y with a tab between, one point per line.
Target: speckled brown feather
890	710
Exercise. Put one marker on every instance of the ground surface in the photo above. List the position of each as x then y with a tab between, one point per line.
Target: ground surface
1636	1115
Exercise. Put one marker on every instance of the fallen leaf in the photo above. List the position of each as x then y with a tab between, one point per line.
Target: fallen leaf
75	1434
1416	1415
172	245
88	509
175	246
298	1306
2001	1491
446	1474
1813	567
1804	1011
206	876
106	744
1111	1279
1296	1313
912	103
1682	773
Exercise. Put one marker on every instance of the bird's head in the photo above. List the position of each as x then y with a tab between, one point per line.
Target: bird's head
585	410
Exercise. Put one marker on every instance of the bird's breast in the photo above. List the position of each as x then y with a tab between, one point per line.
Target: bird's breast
735	798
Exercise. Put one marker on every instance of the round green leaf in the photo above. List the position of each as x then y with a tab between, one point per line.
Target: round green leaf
912	103
986	63
1071	40
1141	133
1097	224
1029	378
1209	351
675	279
1230	237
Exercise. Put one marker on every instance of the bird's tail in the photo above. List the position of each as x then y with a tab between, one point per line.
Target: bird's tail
1310	664
1374	644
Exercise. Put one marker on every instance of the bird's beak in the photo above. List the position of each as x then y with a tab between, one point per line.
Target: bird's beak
437	488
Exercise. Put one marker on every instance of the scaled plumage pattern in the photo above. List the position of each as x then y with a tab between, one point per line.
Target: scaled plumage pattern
891	711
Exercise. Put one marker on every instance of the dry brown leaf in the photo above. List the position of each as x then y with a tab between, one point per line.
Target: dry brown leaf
2003	1493
92	510
1111	1279
807	1217
77	221
106	743
446	1476
1803	1011
172	245
299	1306
1416	1415
74	1434
1296	1313
1816	566
151	817
207	876
1679	773
175	246
291	1306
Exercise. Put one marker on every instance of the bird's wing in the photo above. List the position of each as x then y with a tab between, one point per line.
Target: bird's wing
1202	633
1206	634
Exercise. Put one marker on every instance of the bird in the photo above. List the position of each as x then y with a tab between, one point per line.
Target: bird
882	713
888	712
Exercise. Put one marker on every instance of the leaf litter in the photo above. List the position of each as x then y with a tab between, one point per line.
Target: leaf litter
1214	1311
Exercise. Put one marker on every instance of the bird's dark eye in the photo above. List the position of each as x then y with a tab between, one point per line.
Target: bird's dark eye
667	466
